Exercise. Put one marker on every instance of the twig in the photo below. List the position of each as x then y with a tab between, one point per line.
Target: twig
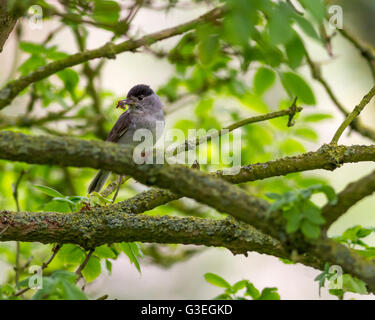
117	189
354	114
83	265
15	196
112	187
356	124
55	250
109	50
352	194
190	143
5	229
93	92
366	52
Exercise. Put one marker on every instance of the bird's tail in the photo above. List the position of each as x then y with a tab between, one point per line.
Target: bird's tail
99	180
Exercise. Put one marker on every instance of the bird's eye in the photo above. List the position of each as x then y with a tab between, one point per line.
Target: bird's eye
140	98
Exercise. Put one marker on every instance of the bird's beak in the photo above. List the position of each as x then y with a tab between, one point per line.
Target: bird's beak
122	103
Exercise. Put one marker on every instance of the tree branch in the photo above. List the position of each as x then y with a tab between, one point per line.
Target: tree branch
356	124
66	151
352	194
109	50
110	225
192	143
183	181
353	115
7	23
366	52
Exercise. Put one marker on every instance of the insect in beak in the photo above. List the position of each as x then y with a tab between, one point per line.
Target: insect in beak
122	103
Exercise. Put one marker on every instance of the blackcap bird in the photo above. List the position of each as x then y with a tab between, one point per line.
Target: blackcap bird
145	111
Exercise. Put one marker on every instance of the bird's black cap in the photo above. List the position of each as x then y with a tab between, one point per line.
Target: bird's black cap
140	90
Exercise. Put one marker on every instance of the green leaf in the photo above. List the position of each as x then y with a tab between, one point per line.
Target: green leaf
296	85
252	291
106	11
316	8
70	79
295	51
291	146
223	296
328	191
239	285
269	294
312	213
209	45
307	133
72	292
48	191
216	280
310	230
131	251
294	219
49	285
71	254
307	27
104	252
32	63
56	206
263	80
273	195
279	29
31	47
108	265
316	117
351	284
92	269
64	275
64	199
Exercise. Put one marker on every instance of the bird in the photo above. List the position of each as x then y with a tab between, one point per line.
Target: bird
144	110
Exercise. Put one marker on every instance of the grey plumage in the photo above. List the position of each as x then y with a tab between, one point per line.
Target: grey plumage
144	112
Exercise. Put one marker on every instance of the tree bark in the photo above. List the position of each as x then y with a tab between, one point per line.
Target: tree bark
7	23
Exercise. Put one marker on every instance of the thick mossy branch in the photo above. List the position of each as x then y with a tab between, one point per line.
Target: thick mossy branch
205	188
65	151
107	225
347	198
109	50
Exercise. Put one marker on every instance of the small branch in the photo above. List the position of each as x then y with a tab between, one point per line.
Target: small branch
109	50
191	143
55	250
347	198
366	52
356	124
83	265
91	89
17	268
353	115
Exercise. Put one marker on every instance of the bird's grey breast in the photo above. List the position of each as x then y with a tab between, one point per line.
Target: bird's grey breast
146	122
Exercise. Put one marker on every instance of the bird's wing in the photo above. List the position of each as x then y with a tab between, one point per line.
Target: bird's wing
120	127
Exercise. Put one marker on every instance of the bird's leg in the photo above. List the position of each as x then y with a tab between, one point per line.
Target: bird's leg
117	189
